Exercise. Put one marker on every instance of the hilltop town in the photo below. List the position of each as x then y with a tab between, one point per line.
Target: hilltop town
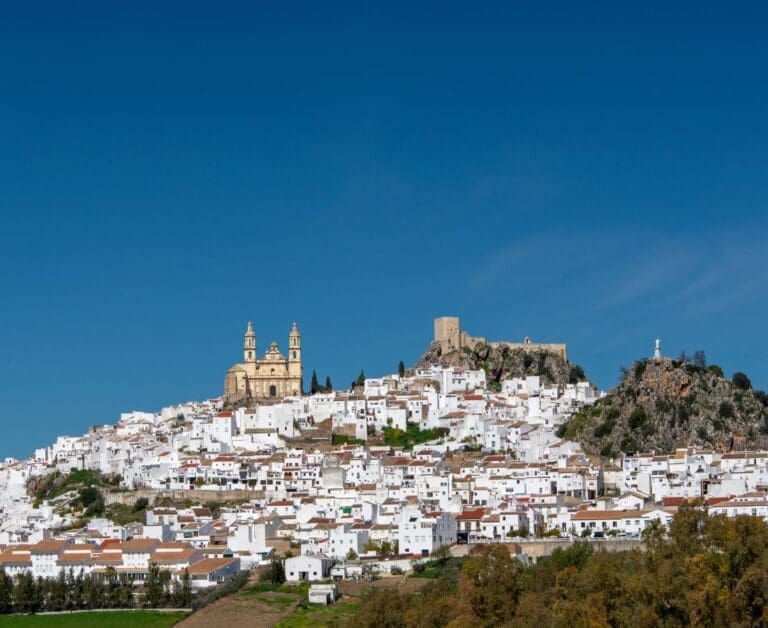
341	484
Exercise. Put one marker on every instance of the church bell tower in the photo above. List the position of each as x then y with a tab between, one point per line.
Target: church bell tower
294	351
249	344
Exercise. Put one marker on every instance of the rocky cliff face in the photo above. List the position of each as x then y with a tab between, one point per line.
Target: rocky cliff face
664	405
502	362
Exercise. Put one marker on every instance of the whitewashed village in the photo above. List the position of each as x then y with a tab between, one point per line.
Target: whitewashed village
348	484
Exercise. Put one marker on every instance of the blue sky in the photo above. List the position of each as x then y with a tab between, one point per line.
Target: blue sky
592	174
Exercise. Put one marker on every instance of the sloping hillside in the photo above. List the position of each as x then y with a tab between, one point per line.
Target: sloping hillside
666	404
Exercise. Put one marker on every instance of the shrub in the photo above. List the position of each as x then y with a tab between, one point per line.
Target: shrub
628	444
741	381
715	370
725	411
605	428
576	374
638	418
340	439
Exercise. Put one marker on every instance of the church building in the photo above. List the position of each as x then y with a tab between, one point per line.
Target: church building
272	377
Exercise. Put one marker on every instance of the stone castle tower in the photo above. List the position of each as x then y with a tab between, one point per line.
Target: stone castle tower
273	376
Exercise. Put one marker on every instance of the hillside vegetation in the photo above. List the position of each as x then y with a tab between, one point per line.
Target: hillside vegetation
662	405
709	571
503	362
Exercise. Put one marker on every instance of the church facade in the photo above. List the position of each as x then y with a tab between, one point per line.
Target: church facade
271	377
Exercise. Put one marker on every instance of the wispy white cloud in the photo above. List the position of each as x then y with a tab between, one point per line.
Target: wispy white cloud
697	274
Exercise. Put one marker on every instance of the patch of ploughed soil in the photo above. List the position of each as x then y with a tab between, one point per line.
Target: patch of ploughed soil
238	612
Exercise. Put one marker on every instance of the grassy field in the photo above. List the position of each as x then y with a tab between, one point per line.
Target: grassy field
283	596
256	590
316	615
107	619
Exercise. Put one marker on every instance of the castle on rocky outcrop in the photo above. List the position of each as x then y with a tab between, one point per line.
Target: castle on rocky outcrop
450	337
273	376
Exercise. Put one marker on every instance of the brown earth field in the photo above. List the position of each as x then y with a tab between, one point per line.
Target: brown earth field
267	608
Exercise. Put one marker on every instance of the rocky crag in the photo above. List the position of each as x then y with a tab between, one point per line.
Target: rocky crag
661	405
503	362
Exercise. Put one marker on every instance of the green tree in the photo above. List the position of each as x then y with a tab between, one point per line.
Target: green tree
276	572
489	585
94	593
181	591
88	495
401	369
155	595
725	410
715	370
576	374
383	608
112	588
441	554
314	387
6	593
125	595
74	599
638	418
140	504
653	535
57	592
25	594
328	385
741	381
385	549
186	590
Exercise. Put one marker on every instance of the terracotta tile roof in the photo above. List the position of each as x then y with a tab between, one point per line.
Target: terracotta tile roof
208	565
467	515
49	547
139	546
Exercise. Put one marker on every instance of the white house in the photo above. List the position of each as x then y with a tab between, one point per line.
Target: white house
307	568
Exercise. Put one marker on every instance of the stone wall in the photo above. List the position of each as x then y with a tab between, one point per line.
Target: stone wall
201	496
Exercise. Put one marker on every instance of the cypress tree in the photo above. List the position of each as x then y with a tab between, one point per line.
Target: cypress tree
154	590
313	386
25	594
328	384
6	593
186	590
401	369
57	601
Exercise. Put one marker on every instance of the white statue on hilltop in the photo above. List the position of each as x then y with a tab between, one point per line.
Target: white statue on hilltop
657	351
